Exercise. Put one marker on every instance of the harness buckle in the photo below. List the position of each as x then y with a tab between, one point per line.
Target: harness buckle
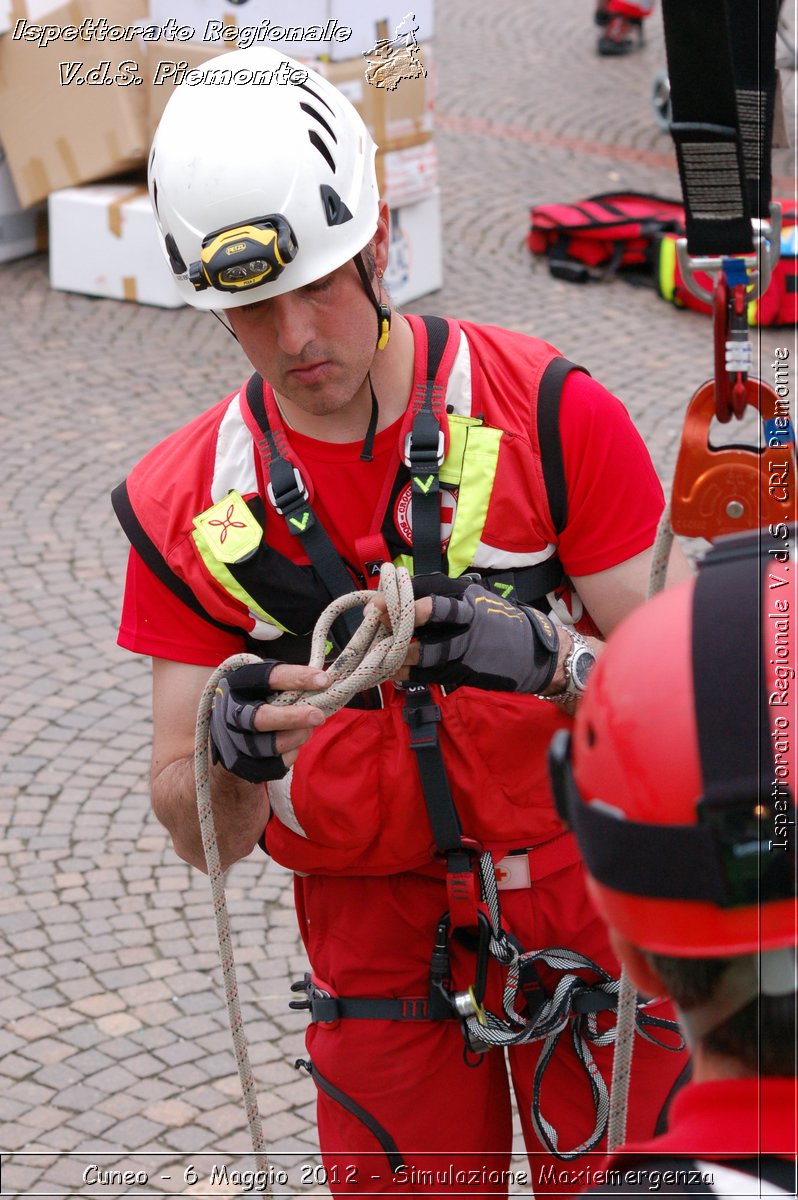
419	453
290	496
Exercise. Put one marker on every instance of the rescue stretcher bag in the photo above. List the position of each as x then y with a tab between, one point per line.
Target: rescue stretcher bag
594	238
778	306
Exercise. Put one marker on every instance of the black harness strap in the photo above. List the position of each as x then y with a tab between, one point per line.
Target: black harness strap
289	497
151	556
548	419
423	455
721	65
422	715
371	1123
324	1008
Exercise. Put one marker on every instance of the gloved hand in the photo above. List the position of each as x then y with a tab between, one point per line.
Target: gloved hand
235	742
475	638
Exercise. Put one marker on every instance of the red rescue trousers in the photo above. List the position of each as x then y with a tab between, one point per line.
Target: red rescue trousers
449	1114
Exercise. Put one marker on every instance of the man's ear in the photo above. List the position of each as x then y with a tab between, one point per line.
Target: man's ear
381	238
645	978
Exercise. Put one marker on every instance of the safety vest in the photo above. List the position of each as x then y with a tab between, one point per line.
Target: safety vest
194	509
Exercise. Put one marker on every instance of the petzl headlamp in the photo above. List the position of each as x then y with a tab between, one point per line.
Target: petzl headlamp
244	256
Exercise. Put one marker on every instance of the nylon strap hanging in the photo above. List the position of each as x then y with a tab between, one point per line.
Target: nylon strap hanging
706	128
289	497
423	715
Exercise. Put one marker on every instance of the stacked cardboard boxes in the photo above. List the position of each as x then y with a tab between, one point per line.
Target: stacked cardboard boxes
75	109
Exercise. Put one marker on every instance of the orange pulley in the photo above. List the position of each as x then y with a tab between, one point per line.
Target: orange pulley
727	489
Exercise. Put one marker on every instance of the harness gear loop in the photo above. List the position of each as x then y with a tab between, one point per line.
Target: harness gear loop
371	657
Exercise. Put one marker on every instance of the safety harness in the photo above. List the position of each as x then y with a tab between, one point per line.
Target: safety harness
474	912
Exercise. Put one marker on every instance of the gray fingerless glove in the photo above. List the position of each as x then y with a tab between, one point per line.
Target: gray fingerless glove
475	638
235	743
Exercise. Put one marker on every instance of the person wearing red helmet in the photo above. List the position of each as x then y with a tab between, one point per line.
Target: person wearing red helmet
679	783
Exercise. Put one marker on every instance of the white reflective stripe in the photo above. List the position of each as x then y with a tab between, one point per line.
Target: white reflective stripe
280	801
234	467
513	872
458	387
506	560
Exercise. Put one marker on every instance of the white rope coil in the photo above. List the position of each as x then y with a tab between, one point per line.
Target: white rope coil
373	655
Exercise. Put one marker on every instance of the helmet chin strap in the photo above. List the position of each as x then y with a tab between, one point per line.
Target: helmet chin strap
383	333
382	310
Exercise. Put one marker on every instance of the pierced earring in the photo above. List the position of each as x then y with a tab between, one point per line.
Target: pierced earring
380	272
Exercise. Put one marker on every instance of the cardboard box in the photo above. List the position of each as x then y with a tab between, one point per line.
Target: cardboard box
415	263
60	134
281	23
104	242
407	176
22	230
396	117
339	29
163	62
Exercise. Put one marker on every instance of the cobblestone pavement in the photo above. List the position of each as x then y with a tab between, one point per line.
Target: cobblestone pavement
115	1047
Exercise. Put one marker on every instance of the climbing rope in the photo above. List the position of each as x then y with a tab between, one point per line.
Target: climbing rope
373	655
627	995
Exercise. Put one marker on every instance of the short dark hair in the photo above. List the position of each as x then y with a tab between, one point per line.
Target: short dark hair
760	1036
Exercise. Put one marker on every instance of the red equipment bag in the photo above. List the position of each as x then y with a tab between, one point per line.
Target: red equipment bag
779	304
594	238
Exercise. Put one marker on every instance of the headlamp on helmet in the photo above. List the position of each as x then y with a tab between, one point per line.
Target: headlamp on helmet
244	256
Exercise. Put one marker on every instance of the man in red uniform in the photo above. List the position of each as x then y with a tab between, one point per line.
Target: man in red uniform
519	488
682	797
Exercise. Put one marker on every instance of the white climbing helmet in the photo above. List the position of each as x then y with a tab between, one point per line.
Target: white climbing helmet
260	185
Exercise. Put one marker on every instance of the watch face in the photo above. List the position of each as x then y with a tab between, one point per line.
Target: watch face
583	662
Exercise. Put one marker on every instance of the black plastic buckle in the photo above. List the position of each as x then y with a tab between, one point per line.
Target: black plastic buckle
302	985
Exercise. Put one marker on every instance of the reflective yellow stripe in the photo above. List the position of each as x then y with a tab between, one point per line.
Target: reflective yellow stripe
230	584
752	307
452	466
404	560
477	474
667	268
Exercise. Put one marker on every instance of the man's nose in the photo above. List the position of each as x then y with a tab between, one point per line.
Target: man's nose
293	326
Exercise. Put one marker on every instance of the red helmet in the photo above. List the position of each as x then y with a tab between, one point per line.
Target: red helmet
682	788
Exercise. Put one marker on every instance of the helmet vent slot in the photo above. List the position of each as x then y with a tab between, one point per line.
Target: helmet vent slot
311	111
335	210
322	149
175	257
306	88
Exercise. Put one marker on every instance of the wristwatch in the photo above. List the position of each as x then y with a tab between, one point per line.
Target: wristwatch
578	665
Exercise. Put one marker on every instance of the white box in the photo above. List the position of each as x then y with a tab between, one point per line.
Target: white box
22	230
283	17
407	176
370	19
5	16
415	265
104	242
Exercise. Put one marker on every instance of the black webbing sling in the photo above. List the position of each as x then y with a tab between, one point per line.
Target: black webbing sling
721	64
289	497
423	454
